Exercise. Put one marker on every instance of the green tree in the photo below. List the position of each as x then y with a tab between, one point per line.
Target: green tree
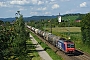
1	22
5	42
13	39
21	36
85	29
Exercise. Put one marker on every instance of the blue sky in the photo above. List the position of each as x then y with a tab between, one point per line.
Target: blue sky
28	8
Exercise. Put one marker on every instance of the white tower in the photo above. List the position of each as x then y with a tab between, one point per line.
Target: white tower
59	18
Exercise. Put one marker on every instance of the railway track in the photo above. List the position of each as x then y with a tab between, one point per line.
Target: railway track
83	57
78	55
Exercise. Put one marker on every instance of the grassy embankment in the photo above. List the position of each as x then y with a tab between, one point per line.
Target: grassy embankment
52	54
75	35
31	52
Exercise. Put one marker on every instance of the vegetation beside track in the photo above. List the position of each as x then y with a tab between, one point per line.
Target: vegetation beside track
75	35
31	52
52	54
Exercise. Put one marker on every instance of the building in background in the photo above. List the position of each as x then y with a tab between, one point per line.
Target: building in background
59	18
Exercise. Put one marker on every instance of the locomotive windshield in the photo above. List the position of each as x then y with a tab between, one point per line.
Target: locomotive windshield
70	46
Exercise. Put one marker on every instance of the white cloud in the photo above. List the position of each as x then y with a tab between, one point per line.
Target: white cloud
20	2
10	11
33	13
37	2
55	6
71	11
40	2
42	8
47	13
65	0
67	12
52	0
83	4
2	4
46	1
34	1
22	9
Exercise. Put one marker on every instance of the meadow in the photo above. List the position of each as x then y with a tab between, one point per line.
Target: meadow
75	35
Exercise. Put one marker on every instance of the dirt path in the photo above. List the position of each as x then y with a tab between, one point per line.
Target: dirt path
43	54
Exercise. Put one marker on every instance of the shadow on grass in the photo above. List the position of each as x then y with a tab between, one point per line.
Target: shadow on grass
31	51
31	44
46	48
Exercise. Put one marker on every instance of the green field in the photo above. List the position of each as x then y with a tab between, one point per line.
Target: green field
74	33
65	29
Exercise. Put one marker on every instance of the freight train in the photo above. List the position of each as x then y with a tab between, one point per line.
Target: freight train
64	45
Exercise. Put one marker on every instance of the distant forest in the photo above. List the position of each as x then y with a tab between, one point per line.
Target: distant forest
44	17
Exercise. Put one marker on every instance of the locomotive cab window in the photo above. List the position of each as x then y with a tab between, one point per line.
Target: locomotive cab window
70	45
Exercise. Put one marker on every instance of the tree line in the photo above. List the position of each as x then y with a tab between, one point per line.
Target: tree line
85	28
13	39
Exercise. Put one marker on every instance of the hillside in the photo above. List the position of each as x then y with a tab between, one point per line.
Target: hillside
65	17
29	18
